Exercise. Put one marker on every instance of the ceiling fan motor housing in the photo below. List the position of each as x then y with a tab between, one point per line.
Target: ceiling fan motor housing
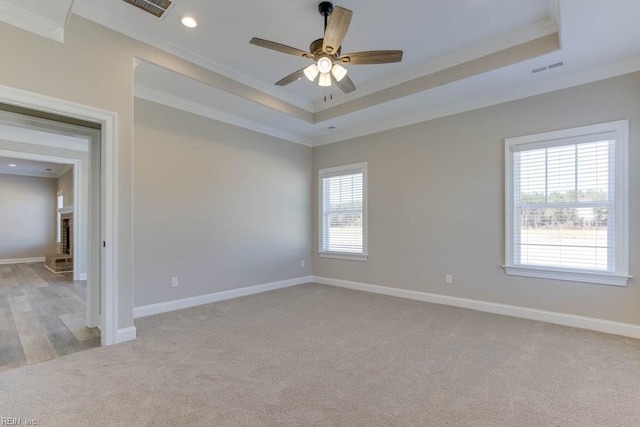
316	49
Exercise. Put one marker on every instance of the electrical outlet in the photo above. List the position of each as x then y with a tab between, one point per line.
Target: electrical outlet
174	282
448	278
302	264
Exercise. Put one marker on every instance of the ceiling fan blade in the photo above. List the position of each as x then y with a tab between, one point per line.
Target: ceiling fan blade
280	47
297	75
336	29
372	57
346	84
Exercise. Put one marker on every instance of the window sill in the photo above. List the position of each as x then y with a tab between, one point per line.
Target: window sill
570	275
344	255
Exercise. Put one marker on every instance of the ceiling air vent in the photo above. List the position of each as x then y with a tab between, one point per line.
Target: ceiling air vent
547	67
154	7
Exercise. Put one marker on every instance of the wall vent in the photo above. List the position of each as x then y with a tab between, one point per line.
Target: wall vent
154	7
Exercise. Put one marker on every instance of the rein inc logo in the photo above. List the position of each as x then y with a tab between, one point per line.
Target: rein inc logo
18	421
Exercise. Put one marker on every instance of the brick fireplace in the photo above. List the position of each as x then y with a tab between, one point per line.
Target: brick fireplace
62	260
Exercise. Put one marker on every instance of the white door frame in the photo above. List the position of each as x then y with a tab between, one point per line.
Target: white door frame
109	124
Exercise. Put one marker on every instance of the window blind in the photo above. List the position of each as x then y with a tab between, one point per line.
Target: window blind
564	206
342	213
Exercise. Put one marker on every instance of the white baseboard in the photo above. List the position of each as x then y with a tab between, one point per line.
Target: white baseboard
125	334
163	307
600	325
21	260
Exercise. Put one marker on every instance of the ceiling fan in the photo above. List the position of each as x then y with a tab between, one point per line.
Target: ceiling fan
326	52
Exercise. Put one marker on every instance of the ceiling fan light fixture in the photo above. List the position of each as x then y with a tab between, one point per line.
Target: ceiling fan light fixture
325	80
338	72
311	72
324	64
326	51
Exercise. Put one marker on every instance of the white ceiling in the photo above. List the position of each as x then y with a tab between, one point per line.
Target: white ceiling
596	40
32	168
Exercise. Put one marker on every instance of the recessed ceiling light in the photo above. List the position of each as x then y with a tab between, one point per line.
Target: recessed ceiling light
48	169
189	22
12	165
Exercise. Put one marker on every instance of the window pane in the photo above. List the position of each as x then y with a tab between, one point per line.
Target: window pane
344	233
342	202
593	171
566	209
531	176
561	174
567	238
563	202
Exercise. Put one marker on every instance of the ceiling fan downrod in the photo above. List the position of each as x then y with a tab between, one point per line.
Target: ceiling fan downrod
325	8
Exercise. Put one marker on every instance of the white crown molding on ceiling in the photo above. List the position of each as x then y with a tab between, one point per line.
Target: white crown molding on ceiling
558	83
29	21
546	86
163	98
89	10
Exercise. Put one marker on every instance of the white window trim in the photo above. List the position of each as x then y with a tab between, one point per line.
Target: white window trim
343	170
621	275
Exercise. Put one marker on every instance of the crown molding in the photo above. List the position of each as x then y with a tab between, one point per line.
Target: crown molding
523	91
31	22
158	97
91	10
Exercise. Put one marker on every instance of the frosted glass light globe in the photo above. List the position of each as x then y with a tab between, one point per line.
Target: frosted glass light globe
324	64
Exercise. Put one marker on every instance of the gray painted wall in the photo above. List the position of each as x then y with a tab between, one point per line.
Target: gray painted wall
470	144
428	182
77	70
27	216
217	206
65	184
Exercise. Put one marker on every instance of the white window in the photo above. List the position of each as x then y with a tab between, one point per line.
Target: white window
566	204
343	212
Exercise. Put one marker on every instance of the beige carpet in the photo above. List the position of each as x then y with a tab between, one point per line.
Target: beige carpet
317	355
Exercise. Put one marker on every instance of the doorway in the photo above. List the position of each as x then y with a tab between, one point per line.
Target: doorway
102	247
47	304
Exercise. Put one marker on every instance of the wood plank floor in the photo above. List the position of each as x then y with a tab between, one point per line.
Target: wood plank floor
41	315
